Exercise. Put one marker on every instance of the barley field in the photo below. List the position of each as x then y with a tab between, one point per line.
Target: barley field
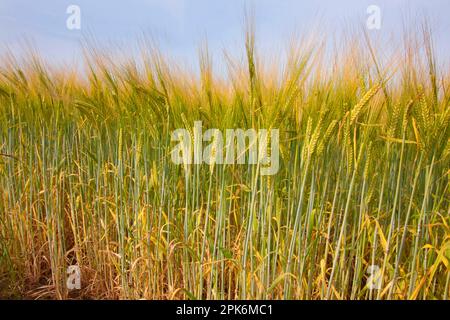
361	196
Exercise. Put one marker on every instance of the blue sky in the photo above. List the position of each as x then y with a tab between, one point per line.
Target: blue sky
180	25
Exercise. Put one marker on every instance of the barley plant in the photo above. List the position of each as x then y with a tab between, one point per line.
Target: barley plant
359	209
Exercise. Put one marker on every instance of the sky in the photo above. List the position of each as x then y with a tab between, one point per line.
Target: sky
180	26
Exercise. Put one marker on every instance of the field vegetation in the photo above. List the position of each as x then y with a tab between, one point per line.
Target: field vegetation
86	176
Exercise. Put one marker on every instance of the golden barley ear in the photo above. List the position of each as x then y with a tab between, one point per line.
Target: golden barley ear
307	141
326	137
316	134
394	120
348	145
364	101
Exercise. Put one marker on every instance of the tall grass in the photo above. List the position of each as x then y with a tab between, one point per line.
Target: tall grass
86	177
